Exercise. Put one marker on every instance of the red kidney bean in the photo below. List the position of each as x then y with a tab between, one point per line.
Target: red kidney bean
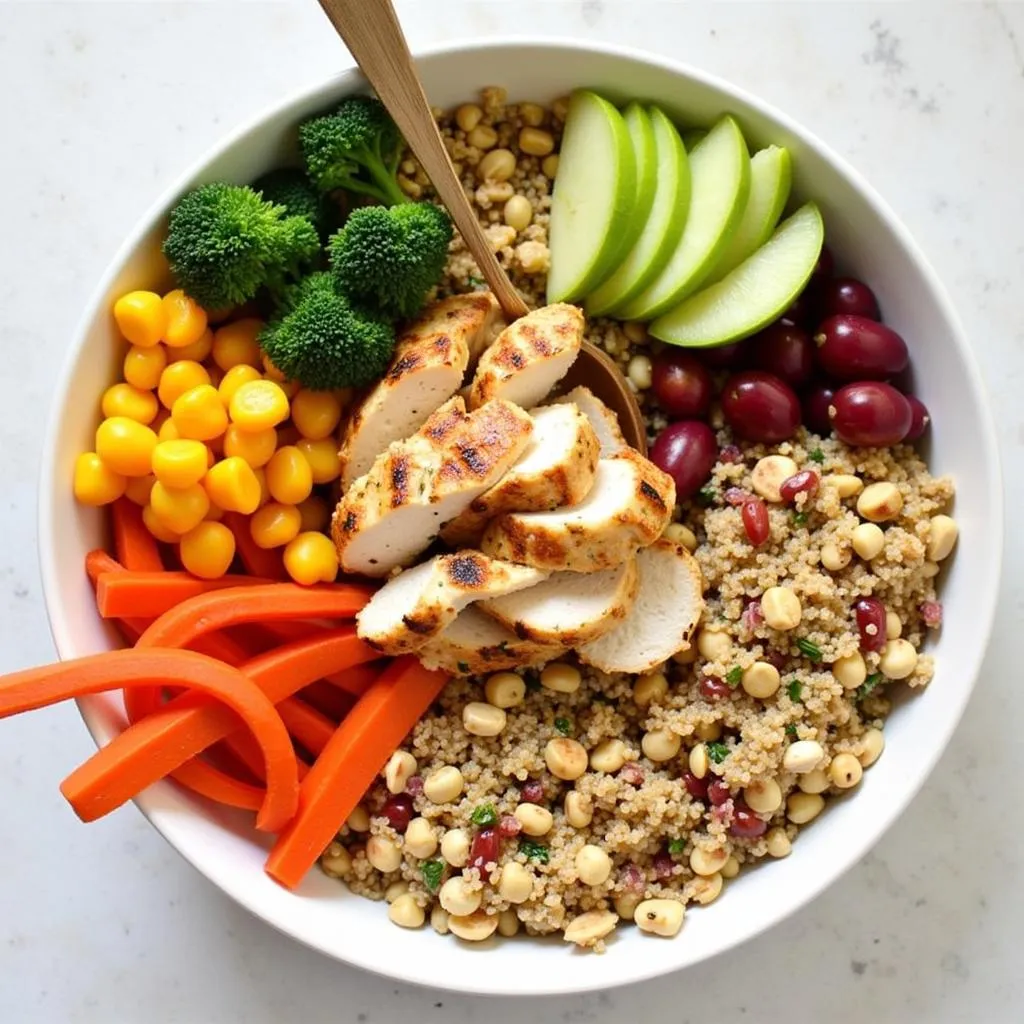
485	849
804	482
735	496
774	657
931	613
663	865
718	793
697	788
870	613
509	826
919	418
745	823
399	811
532	792
752	615
632	773
730	454
713	688
755	521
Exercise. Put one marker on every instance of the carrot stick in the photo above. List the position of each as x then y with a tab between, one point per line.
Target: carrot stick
356	752
187	725
305	724
135	546
328	699
150	594
216	785
355	681
257	561
245	748
238	694
219	609
98	562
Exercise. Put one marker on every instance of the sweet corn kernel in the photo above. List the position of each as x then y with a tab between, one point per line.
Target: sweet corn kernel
315	513
125	445
95	483
232	485
275	525
258	404
197	352
143	366
185	319
138	488
135	404
311	558
141	318
322	457
178	378
235	344
257	448
157	528
207	550
180	463
315	413
168	431
289	476
200	414
234	379
178	509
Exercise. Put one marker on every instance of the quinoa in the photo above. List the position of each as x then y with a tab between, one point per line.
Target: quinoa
666	835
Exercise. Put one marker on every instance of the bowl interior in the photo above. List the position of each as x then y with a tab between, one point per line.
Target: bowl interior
869	243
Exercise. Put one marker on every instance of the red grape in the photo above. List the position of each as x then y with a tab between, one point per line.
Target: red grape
681	384
871	414
855	348
815	409
825	267
848	295
687	451
786	351
723	357
919	418
760	407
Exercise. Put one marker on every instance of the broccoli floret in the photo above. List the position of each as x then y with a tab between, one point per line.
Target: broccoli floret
390	257
289	187
356	148
224	243
322	340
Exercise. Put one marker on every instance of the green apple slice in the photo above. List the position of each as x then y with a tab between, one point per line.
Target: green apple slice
641	135
719	183
770	180
594	197
757	292
670	203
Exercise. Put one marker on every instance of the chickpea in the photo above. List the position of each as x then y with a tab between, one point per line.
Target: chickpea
420	840
493	193
708	732
536	141
473	927
531	114
804	807
455	847
872	745
898	659
687	656
731	868
518	213
698	761
868	540
400	768
535	820
814	781
778	843
763	796
833	557
590	928
679	534
942	535
359	819
458	898
508	923
650	689
659	917
383	854
439	919
625	904
893	626
640	371
714	644
850	670
483	136
593	865
560	677
608	756
505	690
706	890
802	756
497	165
661	744
479	719
761	680
845	771
781	608
406	912
516	883
549	166
708	862
444	785
930	570
467	117
336	861
579	810
847	485
395	889
769	473
880	502
566	759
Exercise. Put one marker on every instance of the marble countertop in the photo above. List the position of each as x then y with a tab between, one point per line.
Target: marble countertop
104	104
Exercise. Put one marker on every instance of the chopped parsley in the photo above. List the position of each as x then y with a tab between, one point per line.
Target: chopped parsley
534	850
563	725
799	518
676	846
707	495
817	456
791	729
475	283
718	752
869	685
810	648
795	688
432	871
733	676
485	814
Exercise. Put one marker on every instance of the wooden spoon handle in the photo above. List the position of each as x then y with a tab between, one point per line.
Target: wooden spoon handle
374	37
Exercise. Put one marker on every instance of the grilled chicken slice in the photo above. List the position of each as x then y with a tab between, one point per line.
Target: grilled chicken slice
417	604
628	507
474	643
430	360
394	512
557	468
529	357
602	419
666	609
569	608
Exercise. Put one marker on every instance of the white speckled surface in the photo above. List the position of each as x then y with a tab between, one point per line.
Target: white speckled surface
102	109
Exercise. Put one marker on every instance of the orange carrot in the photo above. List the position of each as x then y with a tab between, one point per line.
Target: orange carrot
246	750
98	562
357	751
216	785
238	694
355	681
187	725
150	594
258	561
328	699
135	546
305	724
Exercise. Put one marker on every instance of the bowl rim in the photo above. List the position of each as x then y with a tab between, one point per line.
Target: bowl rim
985	605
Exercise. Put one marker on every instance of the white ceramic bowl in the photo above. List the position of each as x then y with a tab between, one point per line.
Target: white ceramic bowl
869	242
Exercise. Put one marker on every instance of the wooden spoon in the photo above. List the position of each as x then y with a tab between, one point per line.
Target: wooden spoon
371	31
